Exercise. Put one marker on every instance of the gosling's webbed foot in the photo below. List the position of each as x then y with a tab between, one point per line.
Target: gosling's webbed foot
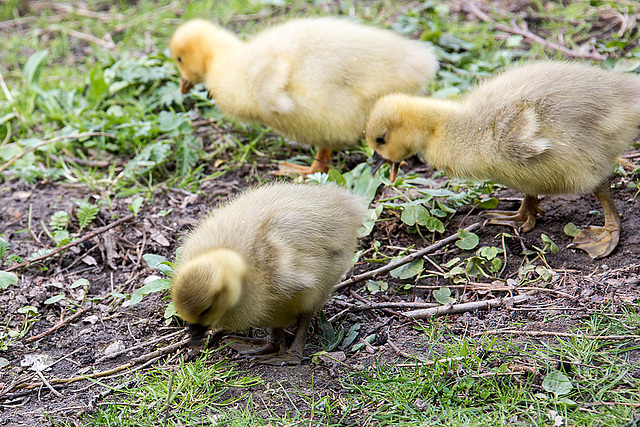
320	164
598	242
523	220
291	169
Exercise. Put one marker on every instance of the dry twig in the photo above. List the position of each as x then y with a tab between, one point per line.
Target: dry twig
473	8
557	334
465	307
74	243
56	326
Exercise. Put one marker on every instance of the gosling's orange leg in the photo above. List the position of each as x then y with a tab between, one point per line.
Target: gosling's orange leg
523	220
599	242
293	356
320	164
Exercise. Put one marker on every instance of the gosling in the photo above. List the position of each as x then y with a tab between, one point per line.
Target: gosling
268	258
546	127
312	80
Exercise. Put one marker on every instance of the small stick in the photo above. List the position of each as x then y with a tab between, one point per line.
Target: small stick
464	307
144	344
403	261
557	334
531	36
45	382
48	141
74	243
56	326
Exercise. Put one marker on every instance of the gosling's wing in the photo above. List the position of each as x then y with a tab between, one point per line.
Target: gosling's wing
270	79
517	131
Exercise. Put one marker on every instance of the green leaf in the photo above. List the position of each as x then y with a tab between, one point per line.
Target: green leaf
170	312
59	221
489	203
443	295
33	68
335	176
86	213
557	383
7	279
488	252
350	336
54	299
408	270
5	247
61	237
548	244
78	283
467	241
28	309
156	285
135	205
571	230
153	260
545	273
377	286
413	214
361	183
187	153
98	88
434	224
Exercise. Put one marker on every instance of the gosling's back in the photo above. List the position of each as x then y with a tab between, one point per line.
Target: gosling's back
548	127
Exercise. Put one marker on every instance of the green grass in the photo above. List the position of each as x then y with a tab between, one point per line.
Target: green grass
497	382
130	92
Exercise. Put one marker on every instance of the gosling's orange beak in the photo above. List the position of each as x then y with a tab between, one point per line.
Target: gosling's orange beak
185	85
377	160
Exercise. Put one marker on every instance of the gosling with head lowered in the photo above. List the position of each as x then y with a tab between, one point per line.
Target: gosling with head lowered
547	127
268	258
312	80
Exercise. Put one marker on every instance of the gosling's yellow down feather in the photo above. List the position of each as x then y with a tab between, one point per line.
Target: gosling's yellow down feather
268	258
546	127
312	80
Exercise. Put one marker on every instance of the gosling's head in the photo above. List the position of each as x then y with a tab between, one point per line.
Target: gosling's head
193	47
206	287
392	132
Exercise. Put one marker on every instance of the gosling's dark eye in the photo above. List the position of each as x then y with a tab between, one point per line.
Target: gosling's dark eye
380	140
180	59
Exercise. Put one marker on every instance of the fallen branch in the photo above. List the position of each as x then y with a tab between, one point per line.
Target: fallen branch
74	243
465	307
557	334
144	344
55	327
48	141
393	265
473	8
138	360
